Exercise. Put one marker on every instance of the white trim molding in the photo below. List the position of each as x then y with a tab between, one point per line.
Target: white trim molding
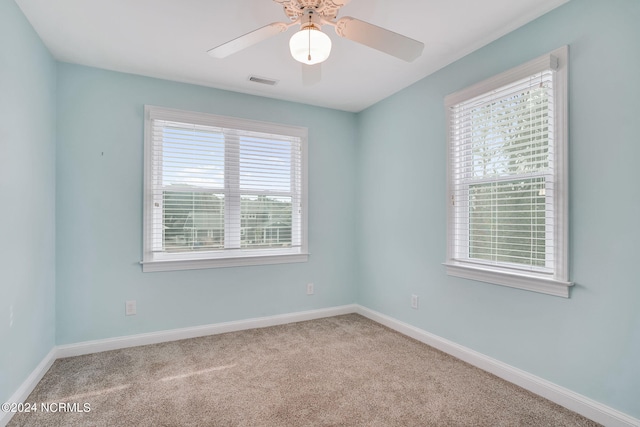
583	405
548	286
88	347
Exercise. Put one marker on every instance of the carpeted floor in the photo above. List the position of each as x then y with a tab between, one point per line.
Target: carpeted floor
339	371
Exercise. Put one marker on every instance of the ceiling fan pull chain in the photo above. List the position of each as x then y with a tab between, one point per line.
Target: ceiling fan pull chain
309	57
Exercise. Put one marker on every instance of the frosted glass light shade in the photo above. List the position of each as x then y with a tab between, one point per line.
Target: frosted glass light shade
310	46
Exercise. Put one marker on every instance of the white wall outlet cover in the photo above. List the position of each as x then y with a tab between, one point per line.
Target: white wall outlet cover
130	308
414	301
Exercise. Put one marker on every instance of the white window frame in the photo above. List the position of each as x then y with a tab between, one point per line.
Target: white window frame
154	260
554	279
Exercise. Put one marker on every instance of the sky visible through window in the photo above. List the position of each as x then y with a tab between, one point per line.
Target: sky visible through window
196	158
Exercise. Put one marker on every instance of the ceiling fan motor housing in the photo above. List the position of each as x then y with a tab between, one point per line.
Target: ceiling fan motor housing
328	9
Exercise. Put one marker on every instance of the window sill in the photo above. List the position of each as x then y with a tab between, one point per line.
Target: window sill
196	264
514	280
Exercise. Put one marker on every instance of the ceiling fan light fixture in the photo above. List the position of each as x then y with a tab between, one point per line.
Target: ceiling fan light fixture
310	45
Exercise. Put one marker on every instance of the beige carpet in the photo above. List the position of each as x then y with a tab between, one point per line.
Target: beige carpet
339	371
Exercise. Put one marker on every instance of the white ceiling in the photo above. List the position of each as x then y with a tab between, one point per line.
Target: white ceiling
169	39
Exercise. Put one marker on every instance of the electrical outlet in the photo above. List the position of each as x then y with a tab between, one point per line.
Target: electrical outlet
309	288
414	301
130	308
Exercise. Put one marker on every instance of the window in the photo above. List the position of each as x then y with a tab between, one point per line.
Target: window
222	191
507	178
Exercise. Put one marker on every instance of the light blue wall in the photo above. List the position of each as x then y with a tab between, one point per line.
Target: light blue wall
589	343
27	199
99	213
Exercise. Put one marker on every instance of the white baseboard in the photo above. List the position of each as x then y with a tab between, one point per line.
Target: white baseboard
88	347
564	397
583	405
28	385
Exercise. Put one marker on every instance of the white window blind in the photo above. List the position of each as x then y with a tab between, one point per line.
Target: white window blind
507	180
222	191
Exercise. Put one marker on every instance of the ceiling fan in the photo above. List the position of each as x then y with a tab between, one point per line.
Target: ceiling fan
310	45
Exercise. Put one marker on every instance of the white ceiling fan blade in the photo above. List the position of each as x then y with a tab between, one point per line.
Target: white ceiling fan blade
311	74
379	38
249	39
